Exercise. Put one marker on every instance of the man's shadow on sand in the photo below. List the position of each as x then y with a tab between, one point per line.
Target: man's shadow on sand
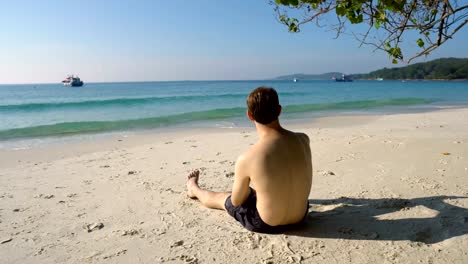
352	218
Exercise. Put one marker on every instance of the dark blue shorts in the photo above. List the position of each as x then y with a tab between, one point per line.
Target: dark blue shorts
248	216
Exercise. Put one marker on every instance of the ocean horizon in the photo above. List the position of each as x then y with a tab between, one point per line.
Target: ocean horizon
52	110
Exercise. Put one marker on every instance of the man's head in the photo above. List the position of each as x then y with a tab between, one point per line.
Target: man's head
263	105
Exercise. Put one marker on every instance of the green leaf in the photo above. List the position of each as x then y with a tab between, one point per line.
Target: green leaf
360	18
293	27
382	16
282	2
340	10
420	43
294	2
287	2
394	61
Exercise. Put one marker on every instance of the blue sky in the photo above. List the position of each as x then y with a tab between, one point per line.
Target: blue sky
110	40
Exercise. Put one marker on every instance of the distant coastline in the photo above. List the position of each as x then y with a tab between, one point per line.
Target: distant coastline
421	80
444	69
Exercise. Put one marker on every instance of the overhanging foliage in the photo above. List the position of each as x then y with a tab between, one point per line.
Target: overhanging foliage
389	22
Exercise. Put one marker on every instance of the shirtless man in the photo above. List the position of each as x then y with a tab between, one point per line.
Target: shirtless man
279	166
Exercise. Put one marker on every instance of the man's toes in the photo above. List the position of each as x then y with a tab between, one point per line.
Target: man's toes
194	174
190	175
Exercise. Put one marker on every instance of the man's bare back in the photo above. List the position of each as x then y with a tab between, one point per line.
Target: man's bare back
278	166
280	169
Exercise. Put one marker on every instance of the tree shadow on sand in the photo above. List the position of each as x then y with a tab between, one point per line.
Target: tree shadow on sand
362	219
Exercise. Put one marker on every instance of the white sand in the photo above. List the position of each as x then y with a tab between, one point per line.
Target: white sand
383	192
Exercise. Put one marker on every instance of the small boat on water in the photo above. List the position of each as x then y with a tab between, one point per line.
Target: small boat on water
294	80
73	81
379	79
343	78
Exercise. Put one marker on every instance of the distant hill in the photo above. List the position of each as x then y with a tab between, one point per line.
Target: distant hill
446	69
301	76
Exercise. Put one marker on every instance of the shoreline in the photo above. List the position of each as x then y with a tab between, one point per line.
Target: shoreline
125	139
70	145
67	146
230	123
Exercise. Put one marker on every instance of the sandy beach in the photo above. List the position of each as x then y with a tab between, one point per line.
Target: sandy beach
386	189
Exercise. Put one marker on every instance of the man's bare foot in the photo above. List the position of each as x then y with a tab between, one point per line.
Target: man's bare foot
192	183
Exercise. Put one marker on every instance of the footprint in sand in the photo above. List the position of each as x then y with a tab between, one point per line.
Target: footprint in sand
177	243
6	195
116	254
185	258
44	196
170	190
130	232
87	182
326	173
4	241
93	227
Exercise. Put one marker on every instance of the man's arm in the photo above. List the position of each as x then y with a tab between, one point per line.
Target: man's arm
240	188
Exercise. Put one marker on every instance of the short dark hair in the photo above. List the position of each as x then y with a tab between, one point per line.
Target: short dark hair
263	105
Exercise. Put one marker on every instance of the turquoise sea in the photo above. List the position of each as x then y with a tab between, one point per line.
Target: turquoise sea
52	110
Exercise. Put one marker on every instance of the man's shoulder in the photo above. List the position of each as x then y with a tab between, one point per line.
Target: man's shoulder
302	136
252	155
244	162
248	154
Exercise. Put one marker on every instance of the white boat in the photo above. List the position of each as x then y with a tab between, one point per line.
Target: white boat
72	80
294	80
379	79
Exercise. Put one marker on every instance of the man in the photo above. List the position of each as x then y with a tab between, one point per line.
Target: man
279	166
